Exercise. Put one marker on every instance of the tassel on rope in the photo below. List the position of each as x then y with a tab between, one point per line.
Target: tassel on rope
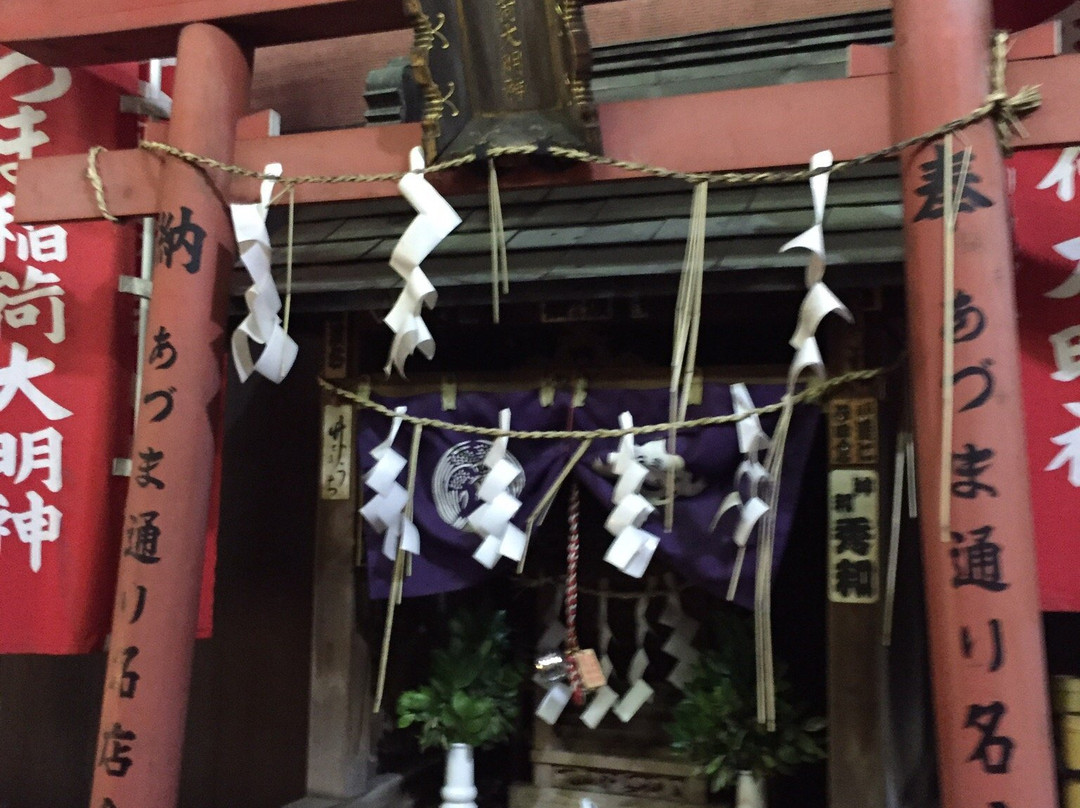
573	552
685	338
500	270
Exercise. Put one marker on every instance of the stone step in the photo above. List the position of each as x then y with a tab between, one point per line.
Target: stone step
383	792
527	796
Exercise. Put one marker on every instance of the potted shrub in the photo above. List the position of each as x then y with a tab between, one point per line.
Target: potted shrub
716	726
470	700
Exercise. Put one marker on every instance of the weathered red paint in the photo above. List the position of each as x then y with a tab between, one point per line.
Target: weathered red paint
157	602
1039	42
744	127
942	60
77	32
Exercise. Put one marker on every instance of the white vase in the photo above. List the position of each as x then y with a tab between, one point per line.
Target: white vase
749	791
459	789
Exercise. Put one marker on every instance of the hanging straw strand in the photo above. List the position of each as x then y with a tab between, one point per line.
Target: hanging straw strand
397	579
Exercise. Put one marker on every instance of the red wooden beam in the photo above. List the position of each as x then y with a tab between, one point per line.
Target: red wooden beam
78	32
1038	42
730	130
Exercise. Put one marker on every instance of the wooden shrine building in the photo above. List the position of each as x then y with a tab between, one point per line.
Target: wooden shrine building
275	709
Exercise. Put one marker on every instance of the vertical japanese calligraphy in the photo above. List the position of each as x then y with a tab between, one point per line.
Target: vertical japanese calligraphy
853	536
180	234
933	188
982	609
1045	206
337	441
854	530
116	746
66	357
173	450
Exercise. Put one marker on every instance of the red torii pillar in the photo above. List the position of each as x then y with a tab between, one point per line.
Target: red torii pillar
986	650
139	745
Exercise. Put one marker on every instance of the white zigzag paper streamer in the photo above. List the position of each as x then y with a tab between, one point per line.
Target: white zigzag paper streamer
750	492
434	221
819	300
262	324
385	511
492	519
633	547
604	698
680	644
817	304
640	660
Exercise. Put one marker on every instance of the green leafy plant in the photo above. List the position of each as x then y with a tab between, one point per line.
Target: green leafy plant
472	694
716	726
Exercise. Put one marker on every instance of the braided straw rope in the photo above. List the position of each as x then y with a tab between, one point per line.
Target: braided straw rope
1005	111
810	394
94	177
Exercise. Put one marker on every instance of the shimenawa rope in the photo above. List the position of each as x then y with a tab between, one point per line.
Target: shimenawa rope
811	393
1005	110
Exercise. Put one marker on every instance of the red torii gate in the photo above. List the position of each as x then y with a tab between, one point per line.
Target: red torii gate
994	739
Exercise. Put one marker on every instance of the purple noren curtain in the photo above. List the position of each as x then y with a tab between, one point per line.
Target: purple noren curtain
449	472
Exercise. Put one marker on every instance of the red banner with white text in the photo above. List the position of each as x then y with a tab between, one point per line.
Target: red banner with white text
67	362
1046	213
